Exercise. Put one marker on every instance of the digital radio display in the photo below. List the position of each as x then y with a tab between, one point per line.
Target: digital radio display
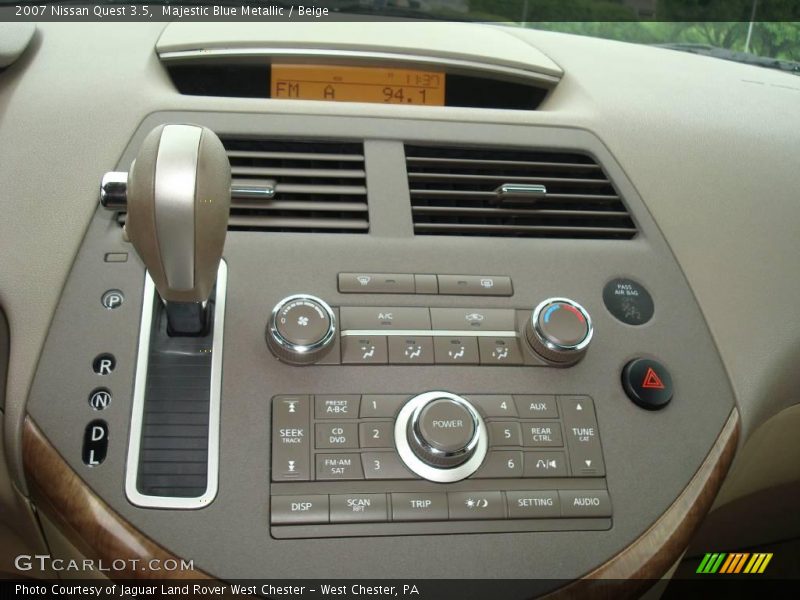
357	84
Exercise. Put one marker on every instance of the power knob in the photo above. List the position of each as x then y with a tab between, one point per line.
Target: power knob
559	331
301	329
440	436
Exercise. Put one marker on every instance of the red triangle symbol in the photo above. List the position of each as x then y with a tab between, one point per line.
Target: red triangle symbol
652	380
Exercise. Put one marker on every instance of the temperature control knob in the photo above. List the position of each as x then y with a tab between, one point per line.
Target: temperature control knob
440	436
301	329
559	331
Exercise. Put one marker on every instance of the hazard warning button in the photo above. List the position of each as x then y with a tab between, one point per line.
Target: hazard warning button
648	383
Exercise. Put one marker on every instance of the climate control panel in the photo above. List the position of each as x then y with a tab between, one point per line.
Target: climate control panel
304	329
510	462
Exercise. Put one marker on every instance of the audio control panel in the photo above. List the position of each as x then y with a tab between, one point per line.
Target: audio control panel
352	464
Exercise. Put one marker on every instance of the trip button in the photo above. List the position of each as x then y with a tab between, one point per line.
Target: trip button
299	510
545	464
339	466
336	435
475	505
456	351
364	350
419	507
533	505
591	503
358	508
541	434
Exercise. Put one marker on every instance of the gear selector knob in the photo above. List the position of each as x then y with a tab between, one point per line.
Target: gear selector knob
178	201
177	195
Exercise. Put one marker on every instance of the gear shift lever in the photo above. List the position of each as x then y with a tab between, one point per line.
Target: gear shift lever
178	198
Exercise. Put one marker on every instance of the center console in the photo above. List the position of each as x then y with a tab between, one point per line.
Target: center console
387	401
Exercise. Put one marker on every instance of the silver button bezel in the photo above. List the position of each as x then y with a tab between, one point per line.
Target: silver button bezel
404	425
300	353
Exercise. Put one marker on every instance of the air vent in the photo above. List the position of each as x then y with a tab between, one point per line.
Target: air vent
286	185
514	193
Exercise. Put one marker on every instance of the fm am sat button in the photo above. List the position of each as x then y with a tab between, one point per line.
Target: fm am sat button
648	383
299	510
95	443
339	466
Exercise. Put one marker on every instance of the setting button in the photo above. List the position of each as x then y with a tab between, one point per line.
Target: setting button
358	508
339	466
419	507
476	505
299	510
336	435
533	505
591	503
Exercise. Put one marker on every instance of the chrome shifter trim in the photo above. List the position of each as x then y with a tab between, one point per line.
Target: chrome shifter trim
140	384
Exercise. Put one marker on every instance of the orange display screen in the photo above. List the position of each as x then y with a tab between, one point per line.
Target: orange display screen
357	84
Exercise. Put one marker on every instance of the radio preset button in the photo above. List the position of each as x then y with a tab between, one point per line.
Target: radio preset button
382	405
500	464
494	405
376	434
384	465
504	433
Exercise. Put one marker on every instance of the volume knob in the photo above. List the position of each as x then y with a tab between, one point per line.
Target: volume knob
559	331
301	329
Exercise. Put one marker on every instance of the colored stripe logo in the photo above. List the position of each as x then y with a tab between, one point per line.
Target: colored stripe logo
734	563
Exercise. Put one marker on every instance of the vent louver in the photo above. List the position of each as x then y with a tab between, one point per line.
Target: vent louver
514	193
299	186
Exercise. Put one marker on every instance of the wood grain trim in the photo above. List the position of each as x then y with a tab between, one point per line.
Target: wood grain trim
635	569
88	522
